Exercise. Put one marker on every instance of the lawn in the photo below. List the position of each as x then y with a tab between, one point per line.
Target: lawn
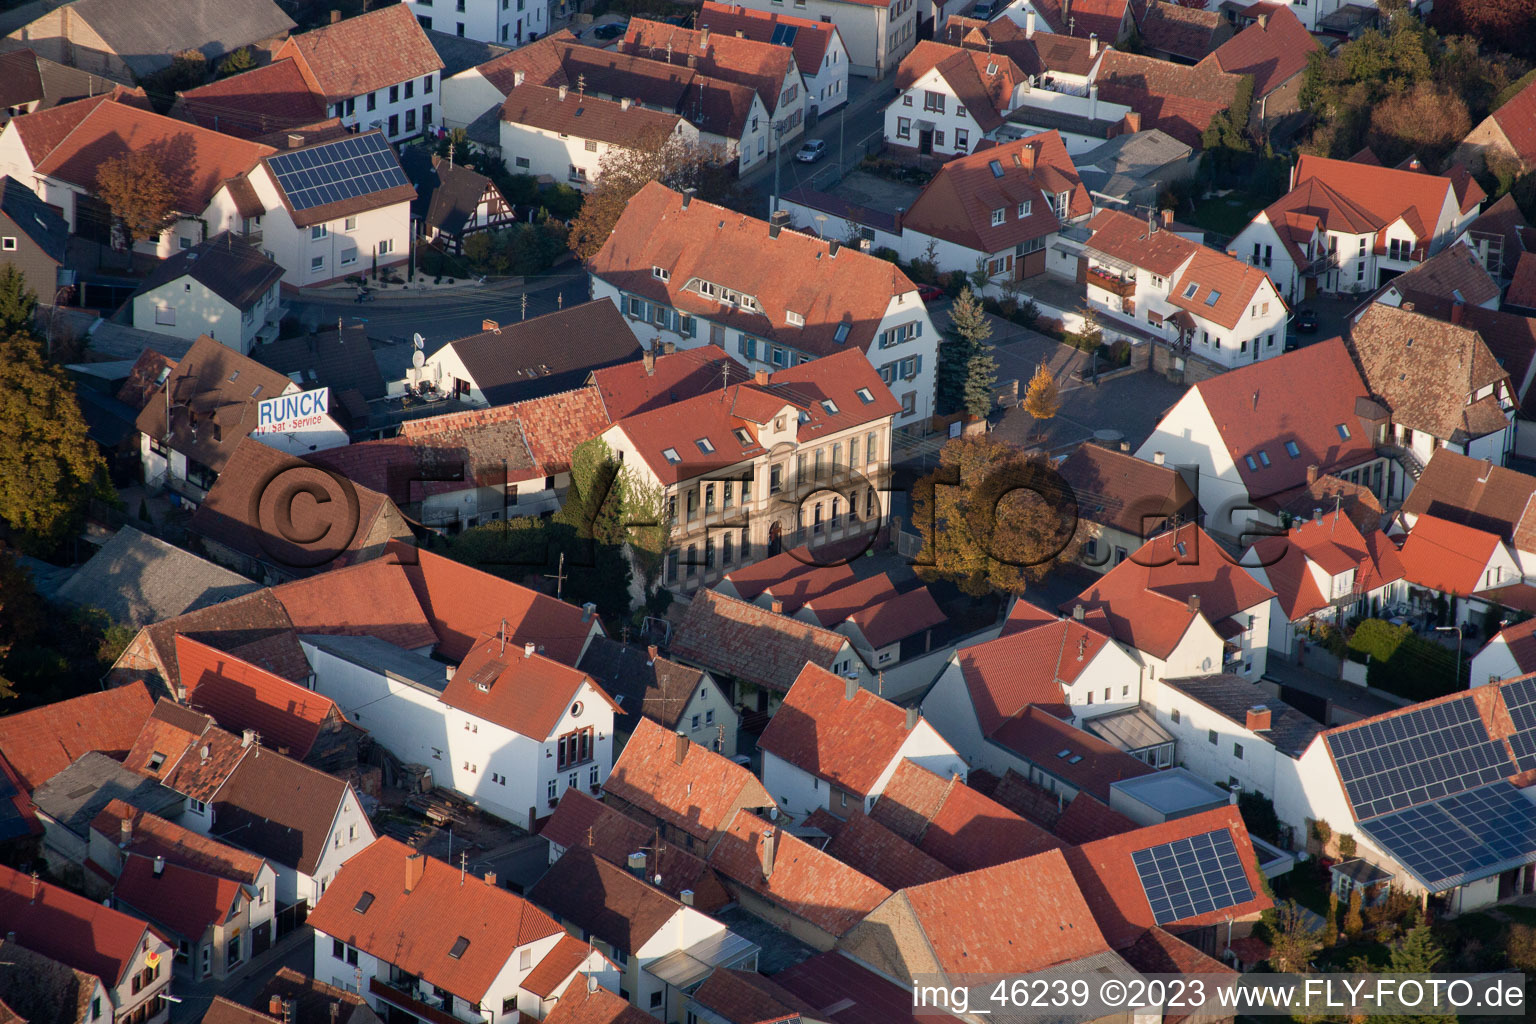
1228	214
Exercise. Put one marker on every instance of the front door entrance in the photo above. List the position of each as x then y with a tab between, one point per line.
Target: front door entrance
775	539
925	141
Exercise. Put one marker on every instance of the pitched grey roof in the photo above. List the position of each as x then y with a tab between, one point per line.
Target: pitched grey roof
26	78
560	348
459	53
233	270
642	682
340	361
455	193
37	219
1125	162
78	793
1230	697
138	580
146	35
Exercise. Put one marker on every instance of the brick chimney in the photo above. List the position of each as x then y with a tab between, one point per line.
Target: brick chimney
777	606
624	103
1167	218
649	361
1264	21
680	747
275	1006
490	879
777	220
415	867
490	325
529	649
1312	473
125	834
1194	602
761	377
668	348
335	16
652	653
1458	311
1132	122
704	39
1258	718
767	848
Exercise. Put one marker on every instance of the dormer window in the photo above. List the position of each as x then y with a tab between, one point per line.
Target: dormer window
1025	207
744	436
866	396
829	406
706	288
705	446
1189	291
804	417
661	273
794	319
997	216
670	454
156	761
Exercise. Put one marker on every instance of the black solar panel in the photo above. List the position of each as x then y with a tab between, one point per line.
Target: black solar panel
1193	876
345	169
784	35
1460	835
1420	755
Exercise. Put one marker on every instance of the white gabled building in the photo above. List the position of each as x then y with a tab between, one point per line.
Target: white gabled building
696	274
1348	226
833	746
563	134
1200	303
949	98
377	70
475	726
222	286
429	944
820	55
323	211
510	22
877	35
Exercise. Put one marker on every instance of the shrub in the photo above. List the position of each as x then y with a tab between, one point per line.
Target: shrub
1347	846
1259	815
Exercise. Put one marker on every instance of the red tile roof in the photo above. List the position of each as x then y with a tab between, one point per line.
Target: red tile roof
1186	32
1273	52
1088	818
762	66
194	756
1336	547
793	272
587	117
463	604
557	965
526	693
70	929
1521	641
554	425
1522	288
698	796
803	587
371	599
808	883
849	993
751	580
203	159
1447	556
583	822
1032	666
364	54
1109	882
1179	100
958	203
415	930
811	38
738	995
1115	488
836	606
1145	600
631	388
1018	917
1101	18
1517	117
183	901
258	102
581	1005
42	131
288	717
983	83
1042	737
870	848
44	741
1301	396
1384	193
956	825
738	639
153	836
898	618
818	729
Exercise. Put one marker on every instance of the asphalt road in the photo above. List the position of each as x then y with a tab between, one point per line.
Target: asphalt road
442	317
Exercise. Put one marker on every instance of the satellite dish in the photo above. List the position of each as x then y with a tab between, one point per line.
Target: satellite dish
418	359
418	341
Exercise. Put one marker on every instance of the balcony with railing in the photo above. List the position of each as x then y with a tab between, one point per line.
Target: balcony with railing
1108	282
1322	264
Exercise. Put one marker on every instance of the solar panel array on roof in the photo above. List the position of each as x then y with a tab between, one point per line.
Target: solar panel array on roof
1420	755
1462	837
344	169
1520	699
784	35
1193	876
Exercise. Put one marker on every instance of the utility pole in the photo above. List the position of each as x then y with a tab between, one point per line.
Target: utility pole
558	577
778	138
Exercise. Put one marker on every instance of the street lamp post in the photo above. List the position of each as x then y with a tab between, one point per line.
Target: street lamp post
1457	631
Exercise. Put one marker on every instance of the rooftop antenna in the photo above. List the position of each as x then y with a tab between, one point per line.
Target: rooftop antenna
450	152
463	866
503	649
558	577
581	83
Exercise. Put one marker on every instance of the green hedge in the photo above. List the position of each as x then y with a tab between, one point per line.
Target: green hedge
1404	663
